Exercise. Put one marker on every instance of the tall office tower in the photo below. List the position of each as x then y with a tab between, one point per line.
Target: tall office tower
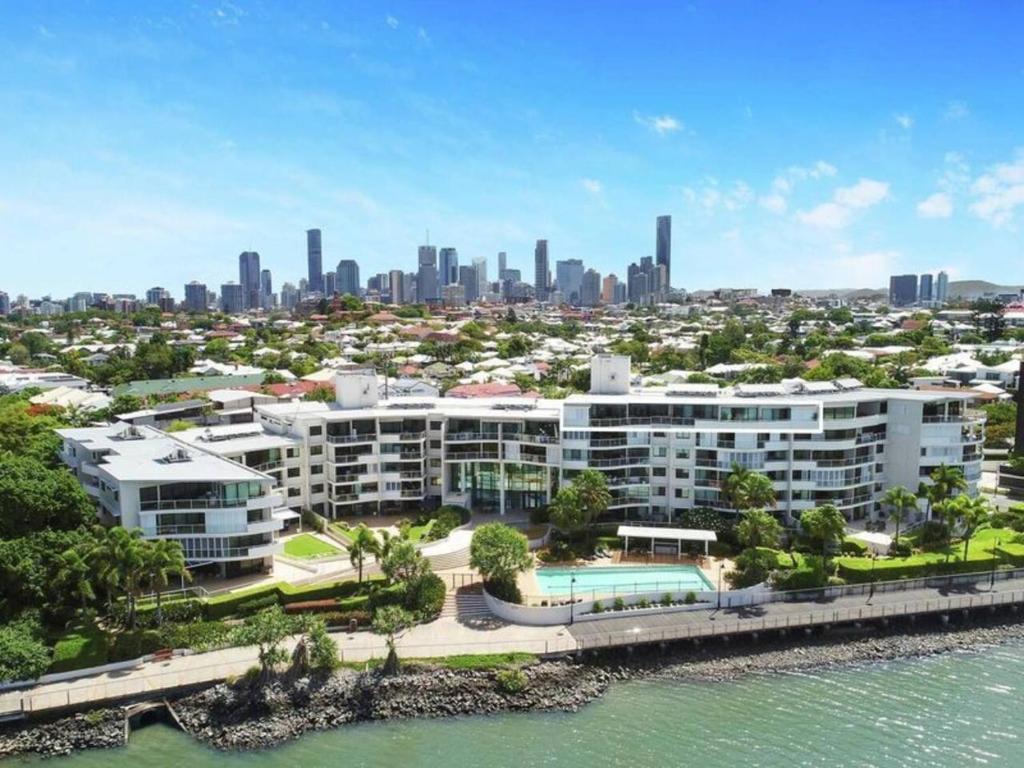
941	288
569	276
541	275
395	285
902	290
502	264
154	295
5	304
266	288
303	286
448	266
590	288
232	298
482	286
314	261
426	278
663	250
347	278
289	296
608	289
249	278
330	284
620	293
924	291
410	288
468	280
453	295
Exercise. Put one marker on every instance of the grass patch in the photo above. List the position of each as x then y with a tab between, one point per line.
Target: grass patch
341	532
479	660
417	532
306	547
83	645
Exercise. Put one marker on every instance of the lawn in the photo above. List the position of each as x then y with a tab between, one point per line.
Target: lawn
306	546
342	532
417	532
83	645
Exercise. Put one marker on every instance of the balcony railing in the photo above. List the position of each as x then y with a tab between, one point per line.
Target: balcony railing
471	436
459	456
540	439
364	438
154	506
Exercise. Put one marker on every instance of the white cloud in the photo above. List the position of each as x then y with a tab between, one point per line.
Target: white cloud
228	14
937	206
711	197
956	110
905	121
391	21
421	33
775	202
999	192
839	212
44	32
847	269
660	124
819	170
593	186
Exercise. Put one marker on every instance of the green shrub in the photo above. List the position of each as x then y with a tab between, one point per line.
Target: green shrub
343	618
312	606
510	680
23	656
620	604
853	547
425	596
199	636
643	602
902	549
504	590
666	599
447	518
223	606
690	598
390	595
597	607
256	604
132	645
932	533
540	516
84	645
836	581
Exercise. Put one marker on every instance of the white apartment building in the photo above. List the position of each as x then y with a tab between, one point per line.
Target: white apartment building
224	514
662	450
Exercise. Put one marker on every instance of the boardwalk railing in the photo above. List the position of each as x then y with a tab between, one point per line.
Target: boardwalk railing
725	625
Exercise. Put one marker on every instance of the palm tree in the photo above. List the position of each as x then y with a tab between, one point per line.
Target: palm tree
948	482
900	502
74	576
101	559
592	488
120	558
362	543
758	491
759	529
386	545
733	484
971	513
162	559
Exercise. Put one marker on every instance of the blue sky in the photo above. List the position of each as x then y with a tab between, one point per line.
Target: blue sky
798	144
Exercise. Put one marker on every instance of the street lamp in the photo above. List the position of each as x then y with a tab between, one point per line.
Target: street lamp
572	597
721	567
871	589
992	576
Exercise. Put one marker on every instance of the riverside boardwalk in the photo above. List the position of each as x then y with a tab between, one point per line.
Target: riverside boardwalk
450	636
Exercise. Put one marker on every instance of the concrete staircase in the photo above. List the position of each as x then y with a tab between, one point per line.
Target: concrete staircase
467	602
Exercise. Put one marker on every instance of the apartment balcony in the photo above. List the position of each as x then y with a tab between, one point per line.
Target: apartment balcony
345	439
268	466
536	439
243	553
628	501
464	437
201	503
358	458
471	456
395	437
624	461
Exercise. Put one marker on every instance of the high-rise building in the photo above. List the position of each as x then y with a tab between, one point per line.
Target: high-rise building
482	286
395	286
315	261
453	295
569	276
426	278
502	264
541	276
448	266
902	290
289	296
924	291
620	293
330	283
469	282
232	298
5	304
410	287
590	288
941	288
347	278
608	289
663	250
249	279
155	295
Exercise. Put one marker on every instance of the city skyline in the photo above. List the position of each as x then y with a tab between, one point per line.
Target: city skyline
155	149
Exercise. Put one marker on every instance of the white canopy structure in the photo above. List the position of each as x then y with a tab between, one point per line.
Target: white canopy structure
678	535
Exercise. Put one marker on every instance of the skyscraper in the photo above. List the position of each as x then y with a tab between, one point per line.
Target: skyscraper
289	296
540	270
468	280
395	286
448	266
590	288
924	291
502	265
569	276
664	249
314	261
902	290
480	265
426	278
232	298
330	288
608	289
941	288
155	295
249	279
5	304
347	278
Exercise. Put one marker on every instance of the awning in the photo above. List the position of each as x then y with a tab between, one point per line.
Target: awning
285	514
678	535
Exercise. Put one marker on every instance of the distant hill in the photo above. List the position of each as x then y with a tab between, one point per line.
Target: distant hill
969	289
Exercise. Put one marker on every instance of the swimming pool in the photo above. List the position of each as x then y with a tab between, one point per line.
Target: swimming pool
623	580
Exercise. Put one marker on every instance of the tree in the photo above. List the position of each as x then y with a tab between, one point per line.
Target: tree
316	648
74	576
759	529
404	563
824	524
595	497
362	543
745	489
566	510
391	621
23	656
900	502
163	558
948	482
120	564
266	630
499	552
970	513
33	497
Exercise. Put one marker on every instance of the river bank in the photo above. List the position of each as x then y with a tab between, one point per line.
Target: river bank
238	717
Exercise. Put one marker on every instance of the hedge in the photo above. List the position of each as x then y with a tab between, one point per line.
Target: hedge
279	593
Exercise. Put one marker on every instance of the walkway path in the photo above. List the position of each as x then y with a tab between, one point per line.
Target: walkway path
655	627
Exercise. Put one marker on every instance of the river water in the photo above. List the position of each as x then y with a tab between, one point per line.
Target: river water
952	710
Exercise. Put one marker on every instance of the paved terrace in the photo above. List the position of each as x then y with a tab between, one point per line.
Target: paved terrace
659	627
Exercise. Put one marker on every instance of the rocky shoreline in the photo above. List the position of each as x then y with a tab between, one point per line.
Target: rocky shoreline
239	716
